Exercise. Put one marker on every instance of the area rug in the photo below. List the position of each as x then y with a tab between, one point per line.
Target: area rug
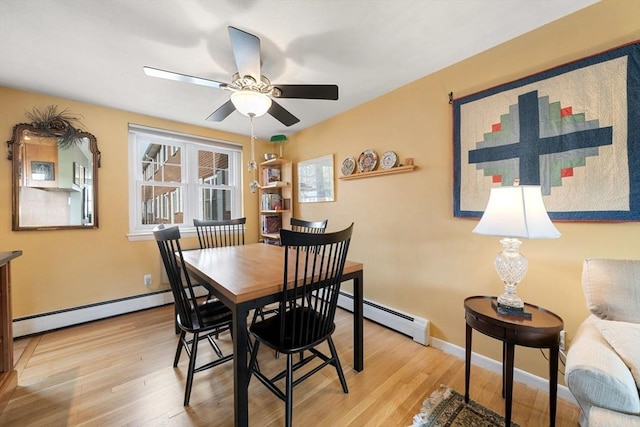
446	408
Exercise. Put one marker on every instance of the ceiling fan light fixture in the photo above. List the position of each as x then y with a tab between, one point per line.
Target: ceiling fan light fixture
251	103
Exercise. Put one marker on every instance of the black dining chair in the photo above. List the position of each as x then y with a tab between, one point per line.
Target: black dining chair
214	234
304	226
313	267
201	320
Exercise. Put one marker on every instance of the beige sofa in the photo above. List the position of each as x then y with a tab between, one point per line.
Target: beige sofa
603	362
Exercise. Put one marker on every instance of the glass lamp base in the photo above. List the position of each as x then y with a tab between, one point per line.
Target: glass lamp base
510	300
511	267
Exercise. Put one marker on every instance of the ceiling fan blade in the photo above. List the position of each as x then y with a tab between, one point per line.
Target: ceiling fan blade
282	115
170	75
222	113
308	91
246	51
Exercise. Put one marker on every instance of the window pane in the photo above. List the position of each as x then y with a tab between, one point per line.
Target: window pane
161	163
213	168
161	205
216	204
176	178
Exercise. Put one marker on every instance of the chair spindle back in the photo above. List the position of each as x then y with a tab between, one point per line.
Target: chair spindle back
313	267
214	234
303	226
168	240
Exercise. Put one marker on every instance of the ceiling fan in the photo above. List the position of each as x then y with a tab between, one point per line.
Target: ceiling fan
252	94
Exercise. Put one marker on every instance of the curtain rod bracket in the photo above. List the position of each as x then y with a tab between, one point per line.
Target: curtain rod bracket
450	97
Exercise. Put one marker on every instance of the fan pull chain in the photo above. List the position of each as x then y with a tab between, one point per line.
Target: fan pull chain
253	166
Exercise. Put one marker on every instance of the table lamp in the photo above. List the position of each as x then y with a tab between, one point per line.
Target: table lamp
280	140
514	212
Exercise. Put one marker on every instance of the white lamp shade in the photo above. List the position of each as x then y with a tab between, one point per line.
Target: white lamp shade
251	103
516	211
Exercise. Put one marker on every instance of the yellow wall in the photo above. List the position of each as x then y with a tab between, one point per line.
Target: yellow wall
418	258
69	268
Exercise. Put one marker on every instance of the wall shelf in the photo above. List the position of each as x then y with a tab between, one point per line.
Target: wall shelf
399	169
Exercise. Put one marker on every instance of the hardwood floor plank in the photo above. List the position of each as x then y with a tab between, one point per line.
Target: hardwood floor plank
118	372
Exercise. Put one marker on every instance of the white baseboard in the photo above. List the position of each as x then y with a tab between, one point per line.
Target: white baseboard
519	375
415	327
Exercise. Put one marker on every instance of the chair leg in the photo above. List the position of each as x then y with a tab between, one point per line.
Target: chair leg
176	359
336	363
289	392
192	367
253	361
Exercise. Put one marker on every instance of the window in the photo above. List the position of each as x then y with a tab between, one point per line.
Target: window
174	178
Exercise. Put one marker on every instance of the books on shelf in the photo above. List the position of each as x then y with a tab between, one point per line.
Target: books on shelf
271	224
274	202
271	202
270	176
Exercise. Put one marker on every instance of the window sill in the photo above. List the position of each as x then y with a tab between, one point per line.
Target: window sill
143	235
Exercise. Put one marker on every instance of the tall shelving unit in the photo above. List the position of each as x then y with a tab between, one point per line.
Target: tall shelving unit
275	178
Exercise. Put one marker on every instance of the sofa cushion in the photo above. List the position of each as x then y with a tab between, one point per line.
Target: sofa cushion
612	288
624	338
600	417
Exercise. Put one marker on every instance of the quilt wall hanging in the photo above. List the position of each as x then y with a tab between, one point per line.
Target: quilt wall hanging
574	130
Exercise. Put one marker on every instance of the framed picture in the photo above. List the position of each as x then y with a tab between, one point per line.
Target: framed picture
43	171
573	130
315	180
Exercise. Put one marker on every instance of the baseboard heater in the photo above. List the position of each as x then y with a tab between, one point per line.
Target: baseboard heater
45	322
414	327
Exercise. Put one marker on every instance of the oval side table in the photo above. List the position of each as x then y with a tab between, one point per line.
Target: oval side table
541	331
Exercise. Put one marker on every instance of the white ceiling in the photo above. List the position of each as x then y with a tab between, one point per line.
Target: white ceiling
94	51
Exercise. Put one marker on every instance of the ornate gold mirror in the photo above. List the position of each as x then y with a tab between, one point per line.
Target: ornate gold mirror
55	176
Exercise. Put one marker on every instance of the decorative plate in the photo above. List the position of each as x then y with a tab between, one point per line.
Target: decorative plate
367	161
389	160
348	166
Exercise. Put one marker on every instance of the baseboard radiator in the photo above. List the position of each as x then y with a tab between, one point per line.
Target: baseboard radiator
45	322
414	327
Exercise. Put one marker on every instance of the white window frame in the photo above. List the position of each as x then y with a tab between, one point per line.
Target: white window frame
189	188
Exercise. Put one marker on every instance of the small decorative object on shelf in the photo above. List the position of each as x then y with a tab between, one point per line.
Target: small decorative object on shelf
367	161
389	160
348	166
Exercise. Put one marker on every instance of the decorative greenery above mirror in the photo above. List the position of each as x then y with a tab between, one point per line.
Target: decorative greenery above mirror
55	173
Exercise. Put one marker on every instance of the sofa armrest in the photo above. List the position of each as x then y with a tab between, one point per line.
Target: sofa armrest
597	376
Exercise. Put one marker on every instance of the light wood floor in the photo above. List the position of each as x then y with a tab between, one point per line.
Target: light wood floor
118	372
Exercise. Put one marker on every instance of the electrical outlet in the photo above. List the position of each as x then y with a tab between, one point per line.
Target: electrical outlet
148	280
562	340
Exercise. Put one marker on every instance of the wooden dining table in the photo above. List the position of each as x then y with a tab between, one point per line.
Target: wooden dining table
250	276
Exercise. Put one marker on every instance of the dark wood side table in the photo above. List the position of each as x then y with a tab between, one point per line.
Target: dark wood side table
541	331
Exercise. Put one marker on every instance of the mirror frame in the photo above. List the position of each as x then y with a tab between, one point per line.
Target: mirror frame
18	131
